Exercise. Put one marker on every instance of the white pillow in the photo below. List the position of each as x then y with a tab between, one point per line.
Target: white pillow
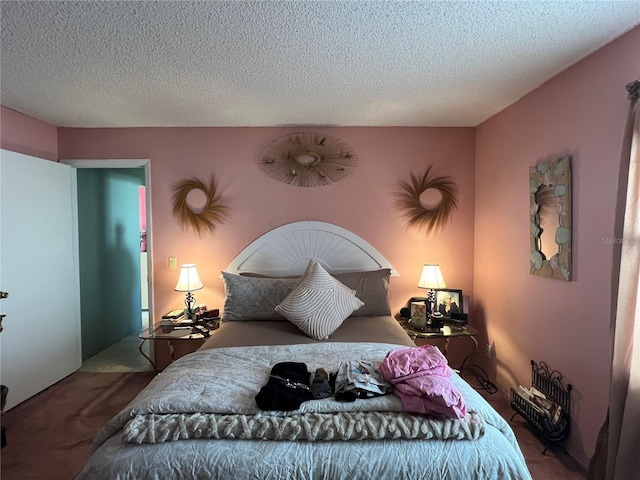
319	303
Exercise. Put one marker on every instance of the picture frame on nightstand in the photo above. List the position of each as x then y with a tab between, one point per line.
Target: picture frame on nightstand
419	314
407	311
449	302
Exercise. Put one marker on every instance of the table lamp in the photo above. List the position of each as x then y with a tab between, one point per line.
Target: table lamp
431	278
189	281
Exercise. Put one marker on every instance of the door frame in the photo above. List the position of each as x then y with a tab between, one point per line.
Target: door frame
126	163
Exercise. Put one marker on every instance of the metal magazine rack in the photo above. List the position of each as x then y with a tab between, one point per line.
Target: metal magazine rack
551	414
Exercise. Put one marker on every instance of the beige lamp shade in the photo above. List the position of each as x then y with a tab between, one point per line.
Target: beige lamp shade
431	277
189	280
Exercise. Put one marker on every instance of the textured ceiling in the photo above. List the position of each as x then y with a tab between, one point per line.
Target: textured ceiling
248	63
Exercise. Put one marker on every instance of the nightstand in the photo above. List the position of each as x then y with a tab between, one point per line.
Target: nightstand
447	332
176	340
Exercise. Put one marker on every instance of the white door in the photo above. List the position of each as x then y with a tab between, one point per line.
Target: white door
40	343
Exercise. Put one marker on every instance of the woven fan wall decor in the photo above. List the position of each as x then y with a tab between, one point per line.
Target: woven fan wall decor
307	159
205	219
415	213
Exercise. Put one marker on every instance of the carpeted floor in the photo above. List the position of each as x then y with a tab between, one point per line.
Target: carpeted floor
555	464
49	435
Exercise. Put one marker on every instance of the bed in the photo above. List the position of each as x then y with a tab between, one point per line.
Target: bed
199	417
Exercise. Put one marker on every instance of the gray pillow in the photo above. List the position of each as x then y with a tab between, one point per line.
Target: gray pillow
253	298
372	288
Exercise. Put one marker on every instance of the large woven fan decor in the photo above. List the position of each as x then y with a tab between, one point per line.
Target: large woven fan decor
307	159
202	219
416	214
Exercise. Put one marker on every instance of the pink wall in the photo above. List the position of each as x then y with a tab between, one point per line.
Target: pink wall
581	112
362	202
24	134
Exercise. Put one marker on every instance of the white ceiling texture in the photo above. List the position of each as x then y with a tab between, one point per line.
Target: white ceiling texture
266	63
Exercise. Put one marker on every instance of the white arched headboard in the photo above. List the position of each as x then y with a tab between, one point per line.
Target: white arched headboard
286	251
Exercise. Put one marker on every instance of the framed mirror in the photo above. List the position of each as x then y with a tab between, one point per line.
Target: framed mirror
550	218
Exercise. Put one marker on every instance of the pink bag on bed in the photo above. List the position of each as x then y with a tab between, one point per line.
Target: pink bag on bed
420	377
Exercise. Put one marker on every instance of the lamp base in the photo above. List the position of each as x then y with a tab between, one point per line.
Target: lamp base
190	304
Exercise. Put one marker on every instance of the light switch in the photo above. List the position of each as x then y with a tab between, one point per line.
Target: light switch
173	263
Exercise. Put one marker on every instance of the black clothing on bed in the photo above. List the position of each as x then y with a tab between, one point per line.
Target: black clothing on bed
288	386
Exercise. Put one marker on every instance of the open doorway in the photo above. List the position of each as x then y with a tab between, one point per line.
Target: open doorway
112	215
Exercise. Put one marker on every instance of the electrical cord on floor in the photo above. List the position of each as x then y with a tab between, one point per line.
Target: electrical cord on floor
480	376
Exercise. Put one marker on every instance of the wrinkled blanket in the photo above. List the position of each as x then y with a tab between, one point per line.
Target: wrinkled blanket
197	394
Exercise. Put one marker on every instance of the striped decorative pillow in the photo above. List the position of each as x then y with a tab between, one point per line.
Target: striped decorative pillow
319	303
